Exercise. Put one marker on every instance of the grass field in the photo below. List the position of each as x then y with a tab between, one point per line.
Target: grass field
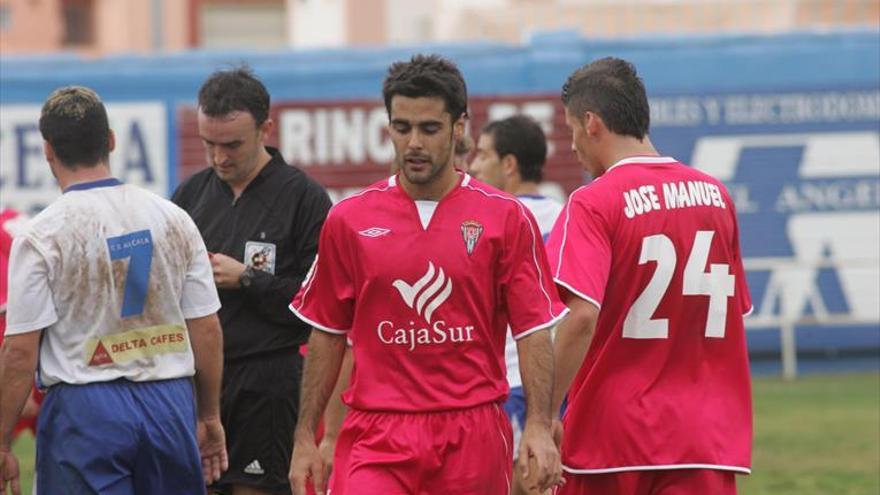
819	435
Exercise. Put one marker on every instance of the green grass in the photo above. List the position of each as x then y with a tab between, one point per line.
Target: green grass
819	435
24	449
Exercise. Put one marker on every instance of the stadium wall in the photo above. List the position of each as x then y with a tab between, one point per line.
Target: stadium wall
791	123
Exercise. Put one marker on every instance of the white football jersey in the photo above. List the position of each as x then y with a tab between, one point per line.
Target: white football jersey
545	210
110	272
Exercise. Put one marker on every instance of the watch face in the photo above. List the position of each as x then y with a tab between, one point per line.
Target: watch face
246	277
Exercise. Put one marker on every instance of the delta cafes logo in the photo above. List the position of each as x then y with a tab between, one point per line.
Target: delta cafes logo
424	297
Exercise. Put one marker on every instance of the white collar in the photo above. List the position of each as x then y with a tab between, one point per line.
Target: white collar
642	159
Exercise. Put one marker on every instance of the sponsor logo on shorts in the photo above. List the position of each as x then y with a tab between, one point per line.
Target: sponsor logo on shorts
254	468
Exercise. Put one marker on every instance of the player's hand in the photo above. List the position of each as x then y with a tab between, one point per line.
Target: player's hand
307	464
9	474
226	270
539	458
327	448
212	448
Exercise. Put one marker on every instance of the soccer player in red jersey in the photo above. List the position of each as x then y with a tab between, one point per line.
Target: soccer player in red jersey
424	272
659	396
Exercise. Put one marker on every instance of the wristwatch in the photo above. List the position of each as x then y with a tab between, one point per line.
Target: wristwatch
247	277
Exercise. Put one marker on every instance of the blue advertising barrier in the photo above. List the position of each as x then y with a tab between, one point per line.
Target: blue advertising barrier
790	123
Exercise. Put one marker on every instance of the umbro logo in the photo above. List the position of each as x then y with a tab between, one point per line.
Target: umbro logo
254	468
430	297
374	232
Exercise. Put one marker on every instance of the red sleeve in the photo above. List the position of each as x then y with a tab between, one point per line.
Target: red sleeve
580	250
741	292
526	283
326	298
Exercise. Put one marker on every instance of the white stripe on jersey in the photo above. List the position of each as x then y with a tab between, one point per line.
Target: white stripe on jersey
521	208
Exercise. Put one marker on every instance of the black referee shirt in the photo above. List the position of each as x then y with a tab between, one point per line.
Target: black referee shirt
275	222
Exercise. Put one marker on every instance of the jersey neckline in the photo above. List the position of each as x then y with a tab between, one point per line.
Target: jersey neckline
642	159
393	183
83	186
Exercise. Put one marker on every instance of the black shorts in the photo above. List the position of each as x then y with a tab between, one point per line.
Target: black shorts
258	407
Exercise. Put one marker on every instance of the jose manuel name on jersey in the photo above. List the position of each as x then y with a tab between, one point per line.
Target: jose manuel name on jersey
681	194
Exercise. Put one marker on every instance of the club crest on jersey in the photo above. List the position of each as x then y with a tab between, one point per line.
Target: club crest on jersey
471	230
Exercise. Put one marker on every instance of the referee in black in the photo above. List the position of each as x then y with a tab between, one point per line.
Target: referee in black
260	219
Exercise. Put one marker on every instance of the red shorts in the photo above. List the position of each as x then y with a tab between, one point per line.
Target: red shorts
660	482
460	452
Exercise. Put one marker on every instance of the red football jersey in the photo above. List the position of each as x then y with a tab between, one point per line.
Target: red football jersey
665	383
427	299
8	217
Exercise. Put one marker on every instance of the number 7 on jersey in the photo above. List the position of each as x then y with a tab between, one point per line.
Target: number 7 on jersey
718	284
139	247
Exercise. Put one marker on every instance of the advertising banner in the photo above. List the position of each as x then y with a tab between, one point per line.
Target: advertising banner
140	157
803	169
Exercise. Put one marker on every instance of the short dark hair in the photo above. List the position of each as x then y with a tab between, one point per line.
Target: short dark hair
74	122
427	76
611	88
233	90
523	138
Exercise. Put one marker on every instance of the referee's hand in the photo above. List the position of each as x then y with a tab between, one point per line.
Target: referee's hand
9	473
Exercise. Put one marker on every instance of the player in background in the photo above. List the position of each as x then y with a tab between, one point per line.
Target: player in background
260	219
659	399
114	294
463	148
424	271
510	156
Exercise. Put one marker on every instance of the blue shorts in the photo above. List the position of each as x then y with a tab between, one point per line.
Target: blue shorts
515	407
119	438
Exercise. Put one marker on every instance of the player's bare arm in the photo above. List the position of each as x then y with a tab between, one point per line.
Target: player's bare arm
573	337
207	344
322	367
538	455
18	361
335	412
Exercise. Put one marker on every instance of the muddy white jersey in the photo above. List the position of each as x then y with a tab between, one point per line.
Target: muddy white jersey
110	272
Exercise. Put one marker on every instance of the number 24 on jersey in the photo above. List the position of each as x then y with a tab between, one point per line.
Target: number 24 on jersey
718	284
